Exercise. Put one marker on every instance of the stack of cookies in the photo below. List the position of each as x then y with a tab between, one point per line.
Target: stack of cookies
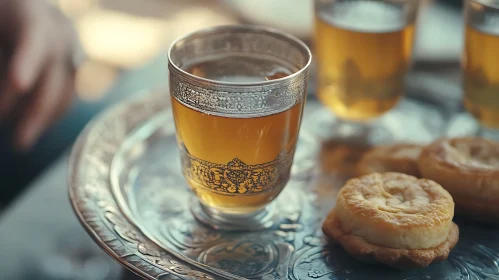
399	210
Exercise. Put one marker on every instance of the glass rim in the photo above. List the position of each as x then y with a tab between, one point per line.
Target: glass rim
486	3
242	27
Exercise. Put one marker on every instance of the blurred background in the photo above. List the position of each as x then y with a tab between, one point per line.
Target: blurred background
126	42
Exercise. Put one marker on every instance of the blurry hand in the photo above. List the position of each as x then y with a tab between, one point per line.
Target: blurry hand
37	68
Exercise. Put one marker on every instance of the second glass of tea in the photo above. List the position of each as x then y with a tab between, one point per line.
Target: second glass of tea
237	94
481	64
363	50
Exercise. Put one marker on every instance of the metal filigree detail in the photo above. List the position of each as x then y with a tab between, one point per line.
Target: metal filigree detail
238	101
236	177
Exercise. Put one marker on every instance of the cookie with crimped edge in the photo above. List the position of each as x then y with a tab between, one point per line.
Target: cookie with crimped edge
468	168
394	219
402	158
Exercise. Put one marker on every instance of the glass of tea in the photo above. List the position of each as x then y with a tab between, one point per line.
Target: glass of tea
363	50
237	94
481	64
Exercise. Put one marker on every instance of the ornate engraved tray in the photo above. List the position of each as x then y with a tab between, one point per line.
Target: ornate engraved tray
127	190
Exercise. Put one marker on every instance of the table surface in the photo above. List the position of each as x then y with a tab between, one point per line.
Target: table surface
40	221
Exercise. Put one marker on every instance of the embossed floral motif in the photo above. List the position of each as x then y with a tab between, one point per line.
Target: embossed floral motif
190	235
183	270
146	250
236	177
318	272
249	258
476	261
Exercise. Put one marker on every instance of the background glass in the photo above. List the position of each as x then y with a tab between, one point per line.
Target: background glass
481	62
363	50
237	95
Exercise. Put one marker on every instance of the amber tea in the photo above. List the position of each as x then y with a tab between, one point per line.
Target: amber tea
364	49
481	64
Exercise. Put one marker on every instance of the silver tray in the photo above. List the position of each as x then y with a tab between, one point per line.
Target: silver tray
127	190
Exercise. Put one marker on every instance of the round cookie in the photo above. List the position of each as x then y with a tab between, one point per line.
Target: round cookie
394	219
402	158
469	169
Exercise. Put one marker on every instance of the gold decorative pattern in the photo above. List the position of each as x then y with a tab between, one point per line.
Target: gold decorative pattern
237	177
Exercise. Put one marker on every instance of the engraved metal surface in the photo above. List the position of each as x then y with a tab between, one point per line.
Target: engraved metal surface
127	189
239	99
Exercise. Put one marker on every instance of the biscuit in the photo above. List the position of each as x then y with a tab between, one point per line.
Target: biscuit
468	168
394	219
402	158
